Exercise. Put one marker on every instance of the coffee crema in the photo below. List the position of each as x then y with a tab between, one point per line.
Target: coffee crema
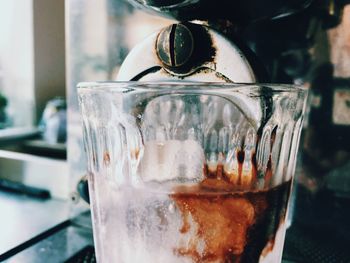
222	222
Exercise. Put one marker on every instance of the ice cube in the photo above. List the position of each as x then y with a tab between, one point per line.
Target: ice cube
180	161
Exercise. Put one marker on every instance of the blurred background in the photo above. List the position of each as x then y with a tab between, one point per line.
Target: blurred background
48	46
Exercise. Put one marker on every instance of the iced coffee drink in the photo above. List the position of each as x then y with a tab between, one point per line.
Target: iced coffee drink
188	173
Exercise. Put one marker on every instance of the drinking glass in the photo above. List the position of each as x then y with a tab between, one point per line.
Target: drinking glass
188	171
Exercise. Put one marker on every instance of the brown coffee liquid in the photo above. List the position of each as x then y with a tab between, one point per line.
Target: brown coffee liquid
230	224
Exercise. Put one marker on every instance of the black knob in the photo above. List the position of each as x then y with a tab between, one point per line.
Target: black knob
83	189
175	45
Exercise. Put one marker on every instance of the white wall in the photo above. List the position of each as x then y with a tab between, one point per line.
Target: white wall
32	56
16	58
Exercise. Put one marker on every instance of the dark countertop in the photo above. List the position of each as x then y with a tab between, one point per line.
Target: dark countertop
29	235
56	248
23	218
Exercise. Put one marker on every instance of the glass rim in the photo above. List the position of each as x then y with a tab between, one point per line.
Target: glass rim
186	86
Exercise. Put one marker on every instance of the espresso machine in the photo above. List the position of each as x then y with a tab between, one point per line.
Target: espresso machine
304	42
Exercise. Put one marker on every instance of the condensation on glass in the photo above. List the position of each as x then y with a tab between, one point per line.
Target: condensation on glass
190	172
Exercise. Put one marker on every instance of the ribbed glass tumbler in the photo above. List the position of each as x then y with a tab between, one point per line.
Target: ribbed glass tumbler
190	172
